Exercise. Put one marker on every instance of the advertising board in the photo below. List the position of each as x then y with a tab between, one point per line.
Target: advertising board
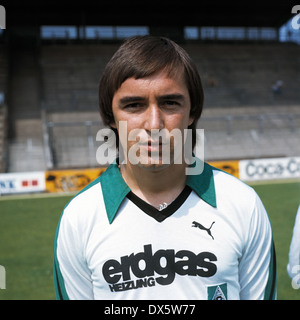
270	169
231	166
22	182
70	180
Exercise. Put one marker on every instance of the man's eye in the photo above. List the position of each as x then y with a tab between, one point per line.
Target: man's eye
135	105
171	103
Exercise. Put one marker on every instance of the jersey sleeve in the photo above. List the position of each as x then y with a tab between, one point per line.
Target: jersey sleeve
293	266
257	268
72	279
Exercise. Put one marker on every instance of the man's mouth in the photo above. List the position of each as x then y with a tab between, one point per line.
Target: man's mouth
154	145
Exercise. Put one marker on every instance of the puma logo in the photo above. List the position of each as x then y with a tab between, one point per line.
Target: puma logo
200	226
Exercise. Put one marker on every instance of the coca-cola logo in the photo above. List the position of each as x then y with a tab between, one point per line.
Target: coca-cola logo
273	168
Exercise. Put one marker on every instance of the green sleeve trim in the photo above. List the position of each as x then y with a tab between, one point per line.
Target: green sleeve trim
270	292
59	285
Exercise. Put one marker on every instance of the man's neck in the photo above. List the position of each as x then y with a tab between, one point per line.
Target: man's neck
155	186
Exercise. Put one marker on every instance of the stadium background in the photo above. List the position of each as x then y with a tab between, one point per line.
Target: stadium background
51	58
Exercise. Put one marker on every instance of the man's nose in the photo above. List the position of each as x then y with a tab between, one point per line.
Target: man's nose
154	118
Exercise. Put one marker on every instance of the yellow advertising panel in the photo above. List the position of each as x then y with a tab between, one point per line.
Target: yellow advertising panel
75	180
231	166
70	180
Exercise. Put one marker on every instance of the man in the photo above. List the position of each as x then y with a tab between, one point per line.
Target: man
293	267
145	229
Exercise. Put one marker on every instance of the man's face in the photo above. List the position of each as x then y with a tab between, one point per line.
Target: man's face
147	106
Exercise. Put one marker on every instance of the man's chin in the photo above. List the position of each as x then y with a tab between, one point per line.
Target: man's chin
154	167
153	162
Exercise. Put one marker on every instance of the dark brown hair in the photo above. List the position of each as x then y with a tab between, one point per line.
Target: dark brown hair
142	56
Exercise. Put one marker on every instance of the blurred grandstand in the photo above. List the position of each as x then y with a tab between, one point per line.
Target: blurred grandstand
52	56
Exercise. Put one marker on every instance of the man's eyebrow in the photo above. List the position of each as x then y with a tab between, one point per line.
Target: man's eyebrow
130	99
174	96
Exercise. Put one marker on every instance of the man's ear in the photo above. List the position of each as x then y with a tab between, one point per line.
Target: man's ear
113	125
191	120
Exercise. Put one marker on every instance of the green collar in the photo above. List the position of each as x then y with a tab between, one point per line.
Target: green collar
115	189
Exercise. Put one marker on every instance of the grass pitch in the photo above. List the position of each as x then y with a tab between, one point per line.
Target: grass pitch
28	224
26	248
281	202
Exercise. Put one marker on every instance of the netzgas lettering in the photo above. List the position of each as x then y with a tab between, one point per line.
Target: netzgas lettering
165	263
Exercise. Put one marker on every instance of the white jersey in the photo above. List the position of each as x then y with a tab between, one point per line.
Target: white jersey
293	266
213	242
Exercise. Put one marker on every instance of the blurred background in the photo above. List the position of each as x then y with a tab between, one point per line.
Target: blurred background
52	55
